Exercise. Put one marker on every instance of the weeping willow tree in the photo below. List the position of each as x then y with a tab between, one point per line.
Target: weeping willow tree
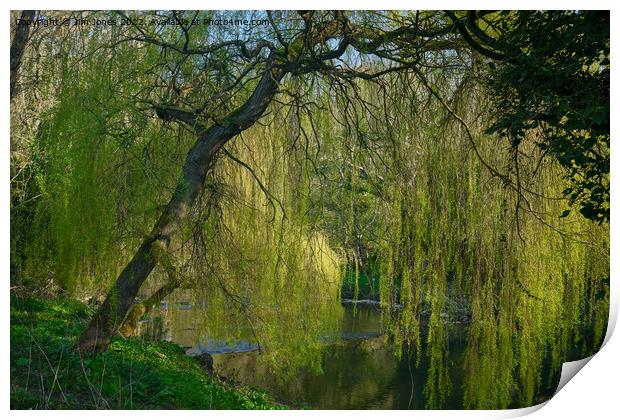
360	140
248	243
257	258
473	222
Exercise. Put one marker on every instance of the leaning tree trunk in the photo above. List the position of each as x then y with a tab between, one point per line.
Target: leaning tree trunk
18	46
130	324
112	311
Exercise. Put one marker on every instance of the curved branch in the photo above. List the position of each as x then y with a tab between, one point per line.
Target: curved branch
171	113
473	43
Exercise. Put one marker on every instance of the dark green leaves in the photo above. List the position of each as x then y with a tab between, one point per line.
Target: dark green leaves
556	84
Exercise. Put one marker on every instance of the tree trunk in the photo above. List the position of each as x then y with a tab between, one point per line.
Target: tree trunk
112	312
130	323
128	328
18	46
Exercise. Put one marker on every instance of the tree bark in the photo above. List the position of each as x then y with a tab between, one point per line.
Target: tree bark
18	46
136	311
129	325
111	313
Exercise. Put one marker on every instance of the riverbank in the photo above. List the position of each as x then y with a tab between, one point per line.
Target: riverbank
132	374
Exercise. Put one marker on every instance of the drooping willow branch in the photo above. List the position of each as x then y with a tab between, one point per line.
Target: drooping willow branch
270	197
494	172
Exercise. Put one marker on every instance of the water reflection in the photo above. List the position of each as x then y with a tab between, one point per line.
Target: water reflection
458	368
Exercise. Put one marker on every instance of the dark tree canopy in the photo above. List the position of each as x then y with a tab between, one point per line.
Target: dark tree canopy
550	76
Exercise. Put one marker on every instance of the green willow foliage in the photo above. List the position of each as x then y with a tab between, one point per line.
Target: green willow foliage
107	168
100	161
260	265
559	83
462	235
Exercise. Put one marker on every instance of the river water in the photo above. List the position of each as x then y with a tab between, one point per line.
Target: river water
359	370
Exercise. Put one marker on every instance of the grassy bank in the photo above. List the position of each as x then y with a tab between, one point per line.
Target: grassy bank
132	374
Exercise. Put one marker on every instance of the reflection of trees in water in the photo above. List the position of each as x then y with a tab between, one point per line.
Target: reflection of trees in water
481	364
514	354
354	374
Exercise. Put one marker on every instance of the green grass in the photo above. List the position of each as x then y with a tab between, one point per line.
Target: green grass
132	374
